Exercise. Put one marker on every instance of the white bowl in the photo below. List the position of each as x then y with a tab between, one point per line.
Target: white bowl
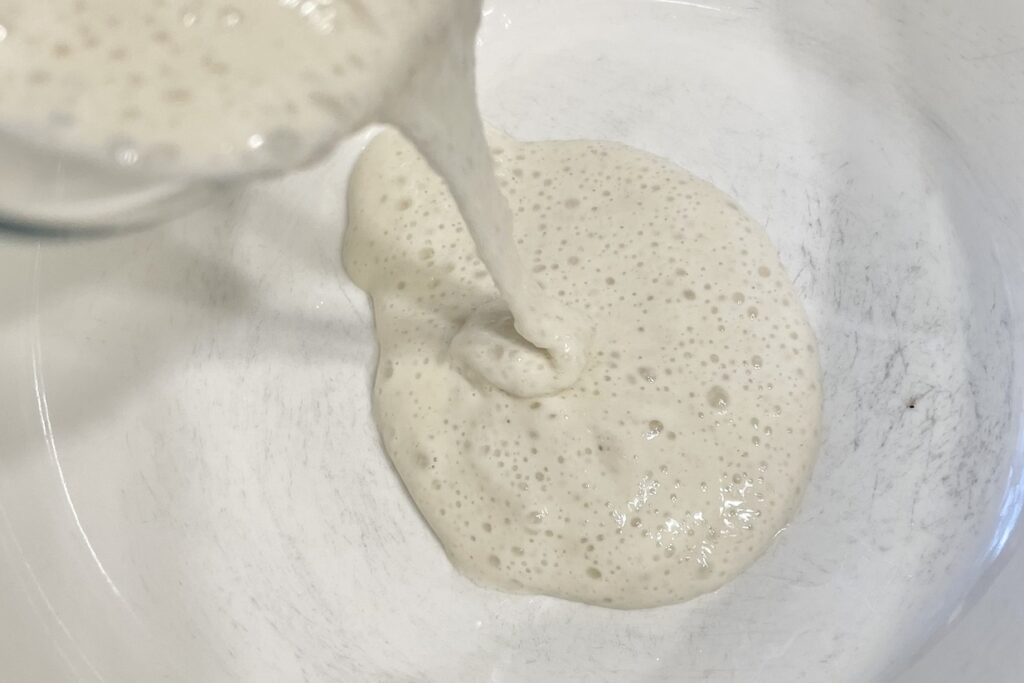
192	489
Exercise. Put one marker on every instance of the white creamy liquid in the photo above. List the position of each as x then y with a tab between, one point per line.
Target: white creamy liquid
262	85
686	443
647	470
207	87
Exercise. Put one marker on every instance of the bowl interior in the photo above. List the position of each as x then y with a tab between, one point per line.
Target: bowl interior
191	486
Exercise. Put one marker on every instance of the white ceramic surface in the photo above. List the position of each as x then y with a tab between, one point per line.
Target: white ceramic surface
191	488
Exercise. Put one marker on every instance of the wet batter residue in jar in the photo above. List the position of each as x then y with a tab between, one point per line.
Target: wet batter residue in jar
263	85
669	466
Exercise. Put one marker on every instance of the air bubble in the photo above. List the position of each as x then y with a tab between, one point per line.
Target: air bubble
654	429
230	17
125	154
718	399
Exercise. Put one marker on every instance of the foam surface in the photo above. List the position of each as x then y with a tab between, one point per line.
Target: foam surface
685	445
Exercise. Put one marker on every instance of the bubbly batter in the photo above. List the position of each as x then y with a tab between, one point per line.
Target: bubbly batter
263	85
618	403
208	87
687	441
